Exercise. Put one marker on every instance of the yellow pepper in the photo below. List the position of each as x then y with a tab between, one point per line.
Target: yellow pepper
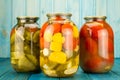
75	32
55	46
58	38
58	57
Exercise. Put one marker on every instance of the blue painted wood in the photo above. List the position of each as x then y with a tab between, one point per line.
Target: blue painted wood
46	6
7	73
41	76
5	27
80	75
18	9
60	6
113	14
10	9
73	7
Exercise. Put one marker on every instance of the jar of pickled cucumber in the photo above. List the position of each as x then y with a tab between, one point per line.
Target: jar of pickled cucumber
24	45
59	46
96	45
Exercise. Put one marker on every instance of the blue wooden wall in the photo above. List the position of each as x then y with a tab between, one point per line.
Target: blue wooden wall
10	9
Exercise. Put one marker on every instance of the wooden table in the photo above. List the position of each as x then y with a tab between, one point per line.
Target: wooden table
7	73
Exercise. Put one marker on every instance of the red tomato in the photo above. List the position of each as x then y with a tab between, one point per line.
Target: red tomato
95	31
84	32
66	26
59	18
110	46
75	42
43	29
91	46
57	27
110	31
43	43
32	29
111	58
93	63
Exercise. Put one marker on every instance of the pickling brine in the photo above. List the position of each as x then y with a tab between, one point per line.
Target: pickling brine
96	45
59	46
24	45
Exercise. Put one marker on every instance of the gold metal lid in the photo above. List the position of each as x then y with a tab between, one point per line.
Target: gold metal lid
27	17
59	14
95	17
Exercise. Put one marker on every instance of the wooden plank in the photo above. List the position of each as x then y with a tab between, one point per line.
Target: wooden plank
41	76
80	75
73	7
101	7
88	8
18	9
46	6
59	6
5	27
32	7
7	72
106	76
4	66
114	74
12	75
113	14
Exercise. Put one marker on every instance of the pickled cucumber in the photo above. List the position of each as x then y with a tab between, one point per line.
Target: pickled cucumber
27	35
71	70
32	59
50	72
36	36
25	65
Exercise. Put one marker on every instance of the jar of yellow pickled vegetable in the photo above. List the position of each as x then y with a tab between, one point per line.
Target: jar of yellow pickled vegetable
24	45
59	46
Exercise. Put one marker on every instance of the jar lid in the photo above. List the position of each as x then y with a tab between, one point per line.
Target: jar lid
27	17
95	17
59	14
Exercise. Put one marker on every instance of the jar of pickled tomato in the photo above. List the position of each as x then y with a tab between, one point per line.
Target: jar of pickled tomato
24	45
96	45
59	46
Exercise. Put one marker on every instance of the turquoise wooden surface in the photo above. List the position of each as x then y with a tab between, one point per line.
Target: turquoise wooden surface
7	73
10	9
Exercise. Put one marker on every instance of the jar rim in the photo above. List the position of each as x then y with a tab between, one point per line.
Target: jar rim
95	17
27	17
58	14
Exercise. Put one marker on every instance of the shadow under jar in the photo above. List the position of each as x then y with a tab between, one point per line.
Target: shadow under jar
96	45
24	45
59	56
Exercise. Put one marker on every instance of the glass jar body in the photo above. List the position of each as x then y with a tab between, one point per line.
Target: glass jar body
59	47
24	48
96	47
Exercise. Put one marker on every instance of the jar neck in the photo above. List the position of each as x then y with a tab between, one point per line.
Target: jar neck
95	18
22	20
59	16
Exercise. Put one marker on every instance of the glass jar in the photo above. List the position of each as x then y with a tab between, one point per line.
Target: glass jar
24	45
59	46
96	45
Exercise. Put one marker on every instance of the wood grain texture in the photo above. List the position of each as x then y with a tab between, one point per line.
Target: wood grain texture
10	9
7	73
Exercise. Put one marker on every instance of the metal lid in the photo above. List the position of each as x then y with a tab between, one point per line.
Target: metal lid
27	17
95	17
59	14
